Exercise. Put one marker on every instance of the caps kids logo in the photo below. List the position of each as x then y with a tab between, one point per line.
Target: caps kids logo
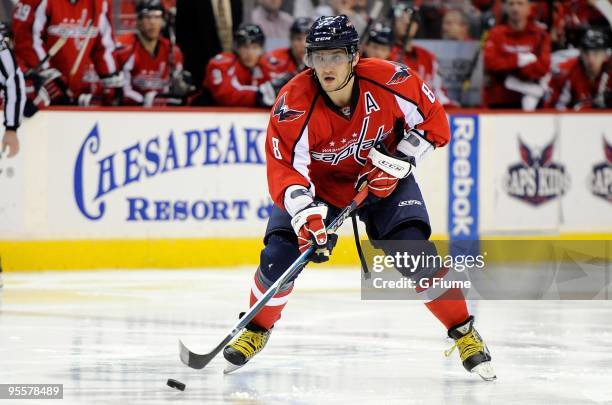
601	177
536	179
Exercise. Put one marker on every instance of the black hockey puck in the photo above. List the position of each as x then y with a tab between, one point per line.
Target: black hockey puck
176	384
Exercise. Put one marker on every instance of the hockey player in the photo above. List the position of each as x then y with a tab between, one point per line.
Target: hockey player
39	24
290	60
148	60
405	21
13	85
585	81
379	43
334	126
240	78
516	59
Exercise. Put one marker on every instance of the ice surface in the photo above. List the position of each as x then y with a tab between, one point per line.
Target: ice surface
111	337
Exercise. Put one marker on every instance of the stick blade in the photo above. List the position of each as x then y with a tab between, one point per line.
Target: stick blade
193	360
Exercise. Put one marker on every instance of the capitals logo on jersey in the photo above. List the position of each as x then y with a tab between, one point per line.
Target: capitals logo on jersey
601	177
402	73
284	112
536	179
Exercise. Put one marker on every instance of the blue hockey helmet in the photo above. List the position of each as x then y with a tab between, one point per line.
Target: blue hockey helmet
249	34
335	32
301	25
594	39
144	7
381	34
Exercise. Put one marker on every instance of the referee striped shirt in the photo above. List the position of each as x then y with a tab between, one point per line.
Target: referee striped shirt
13	85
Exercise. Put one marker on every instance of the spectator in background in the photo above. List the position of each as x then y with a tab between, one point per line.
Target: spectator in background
585	81
379	42
423	62
303	8
568	20
516	60
149	61
290	61
455	25
85	30
274	23
346	7
241	78
204	29
360	7
13	92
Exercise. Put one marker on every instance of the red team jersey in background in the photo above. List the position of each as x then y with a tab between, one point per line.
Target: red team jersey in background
571	88
233	84
145	72
38	24
281	61
311	143
424	63
501	60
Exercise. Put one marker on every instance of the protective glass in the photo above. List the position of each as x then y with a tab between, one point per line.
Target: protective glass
321	59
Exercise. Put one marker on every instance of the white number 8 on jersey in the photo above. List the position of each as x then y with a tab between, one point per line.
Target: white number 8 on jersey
275	149
430	94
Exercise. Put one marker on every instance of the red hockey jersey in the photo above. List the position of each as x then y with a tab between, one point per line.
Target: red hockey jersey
310	142
571	88
425	65
501	60
281	61
145	72
38	24
233	84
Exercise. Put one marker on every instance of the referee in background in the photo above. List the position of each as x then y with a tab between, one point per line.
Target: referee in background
13	90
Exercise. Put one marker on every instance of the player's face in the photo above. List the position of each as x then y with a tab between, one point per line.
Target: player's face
518	11
151	25
453	26
593	60
298	46
380	51
332	67
249	54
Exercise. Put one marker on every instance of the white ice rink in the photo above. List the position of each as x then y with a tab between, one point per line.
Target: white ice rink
111	338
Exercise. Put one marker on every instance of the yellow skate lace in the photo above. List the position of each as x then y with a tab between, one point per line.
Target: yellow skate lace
468	345
250	343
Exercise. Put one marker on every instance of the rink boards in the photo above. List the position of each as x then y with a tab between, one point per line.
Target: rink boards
187	188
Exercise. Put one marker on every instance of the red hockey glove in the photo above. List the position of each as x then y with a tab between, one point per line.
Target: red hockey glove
382	172
309	226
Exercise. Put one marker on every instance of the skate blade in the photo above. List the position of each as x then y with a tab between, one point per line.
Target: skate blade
230	367
485	371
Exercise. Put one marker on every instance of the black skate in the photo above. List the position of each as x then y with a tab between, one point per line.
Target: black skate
472	350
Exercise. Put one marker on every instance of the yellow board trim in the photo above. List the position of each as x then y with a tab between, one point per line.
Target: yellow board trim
175	253
145	253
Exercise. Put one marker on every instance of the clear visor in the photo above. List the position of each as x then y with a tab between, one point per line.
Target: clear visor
325	58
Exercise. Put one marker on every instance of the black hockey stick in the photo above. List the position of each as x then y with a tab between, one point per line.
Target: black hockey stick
199	361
